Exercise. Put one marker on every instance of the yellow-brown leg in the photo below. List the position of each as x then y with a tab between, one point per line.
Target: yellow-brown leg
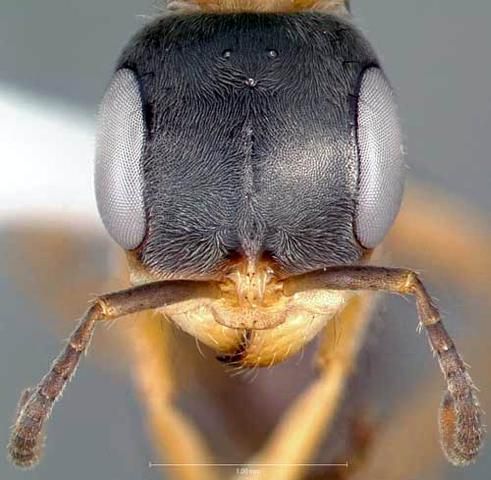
175	439
295	440
446	237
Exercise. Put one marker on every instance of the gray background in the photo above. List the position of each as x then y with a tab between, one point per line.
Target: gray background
436	53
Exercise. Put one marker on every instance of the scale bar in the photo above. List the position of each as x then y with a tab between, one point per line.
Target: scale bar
245	465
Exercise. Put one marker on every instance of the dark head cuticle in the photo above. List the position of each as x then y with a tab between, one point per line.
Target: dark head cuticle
240	138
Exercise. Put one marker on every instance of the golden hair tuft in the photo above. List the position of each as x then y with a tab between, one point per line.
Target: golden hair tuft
278	6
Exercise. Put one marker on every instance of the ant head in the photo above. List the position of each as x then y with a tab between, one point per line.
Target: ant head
251	135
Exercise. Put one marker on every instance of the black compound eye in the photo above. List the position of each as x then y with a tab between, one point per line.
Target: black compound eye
381	159
120	143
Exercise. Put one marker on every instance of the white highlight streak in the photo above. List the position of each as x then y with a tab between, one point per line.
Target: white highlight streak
47	160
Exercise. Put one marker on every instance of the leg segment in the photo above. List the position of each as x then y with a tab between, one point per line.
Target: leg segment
35	405
461	429
446	236
175	438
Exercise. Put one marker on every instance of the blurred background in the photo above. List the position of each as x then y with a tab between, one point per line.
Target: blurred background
56	58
